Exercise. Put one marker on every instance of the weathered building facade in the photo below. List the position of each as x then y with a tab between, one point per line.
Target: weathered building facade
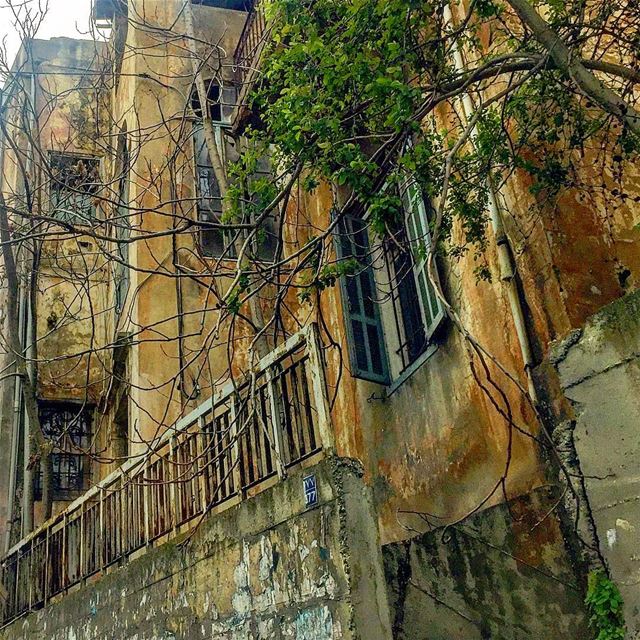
346	475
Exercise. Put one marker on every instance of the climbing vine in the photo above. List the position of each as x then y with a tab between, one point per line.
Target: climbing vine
605	607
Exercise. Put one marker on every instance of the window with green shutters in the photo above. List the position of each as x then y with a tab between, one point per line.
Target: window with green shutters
391	307
364	329
417	225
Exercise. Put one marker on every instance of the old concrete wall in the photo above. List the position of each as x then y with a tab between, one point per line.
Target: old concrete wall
599	370
267	568
501	574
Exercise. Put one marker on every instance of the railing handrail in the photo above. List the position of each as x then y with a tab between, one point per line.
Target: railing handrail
247	26
306	335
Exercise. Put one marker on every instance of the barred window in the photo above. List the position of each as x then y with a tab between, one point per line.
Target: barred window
73	186
68	426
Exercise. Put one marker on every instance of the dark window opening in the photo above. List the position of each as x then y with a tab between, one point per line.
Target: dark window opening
122	226
221	102
68	426
118	435
217	241
400	266
73	188
119	441
213	102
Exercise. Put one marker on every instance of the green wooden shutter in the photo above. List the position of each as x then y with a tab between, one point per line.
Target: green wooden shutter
364	330
417	223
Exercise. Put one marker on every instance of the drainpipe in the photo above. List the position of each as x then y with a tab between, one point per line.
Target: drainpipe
18	425
505	256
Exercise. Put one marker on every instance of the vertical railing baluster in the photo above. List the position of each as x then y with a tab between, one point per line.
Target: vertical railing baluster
174	491
145	500
82	555
17	587
65	553
276	427
30	555
45	586
319	387
234	440
124	510
201	453
101	550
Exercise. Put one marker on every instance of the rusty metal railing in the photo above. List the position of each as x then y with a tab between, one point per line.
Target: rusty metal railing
252	40
233	443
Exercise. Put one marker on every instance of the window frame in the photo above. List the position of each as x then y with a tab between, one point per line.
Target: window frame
416	227
356	370
54	185
228	239
84	413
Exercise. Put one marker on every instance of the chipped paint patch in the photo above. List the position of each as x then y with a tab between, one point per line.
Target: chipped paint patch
314	624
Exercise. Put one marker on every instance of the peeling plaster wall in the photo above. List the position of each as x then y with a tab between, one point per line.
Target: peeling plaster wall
266	568
495	575
141	103
599	369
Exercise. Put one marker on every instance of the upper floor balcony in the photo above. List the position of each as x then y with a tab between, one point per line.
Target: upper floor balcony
250	46
241	441
244	58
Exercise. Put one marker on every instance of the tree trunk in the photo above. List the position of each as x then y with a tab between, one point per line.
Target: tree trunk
570	64
42	445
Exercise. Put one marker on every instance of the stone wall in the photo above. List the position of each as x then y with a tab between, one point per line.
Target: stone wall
599	370
267	568
502	574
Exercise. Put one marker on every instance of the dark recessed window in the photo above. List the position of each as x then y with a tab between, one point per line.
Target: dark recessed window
73	186
68	426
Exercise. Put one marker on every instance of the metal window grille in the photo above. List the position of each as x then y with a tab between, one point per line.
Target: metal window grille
73	186
68	426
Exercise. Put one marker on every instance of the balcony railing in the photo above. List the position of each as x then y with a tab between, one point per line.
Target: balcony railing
250	45
236	443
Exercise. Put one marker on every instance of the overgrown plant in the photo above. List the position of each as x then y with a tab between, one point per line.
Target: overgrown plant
605	606
362	93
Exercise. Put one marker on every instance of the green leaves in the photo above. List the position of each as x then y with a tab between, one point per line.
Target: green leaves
345	84
605	606
328	276
234	302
